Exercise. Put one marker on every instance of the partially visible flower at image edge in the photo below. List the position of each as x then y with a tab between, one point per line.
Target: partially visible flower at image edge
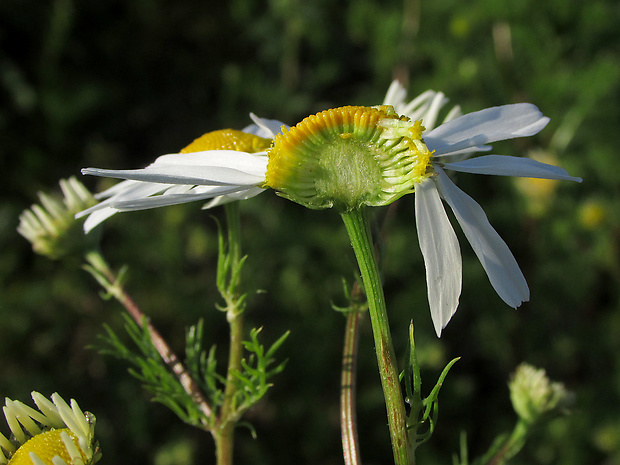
56	434
349	157
132	195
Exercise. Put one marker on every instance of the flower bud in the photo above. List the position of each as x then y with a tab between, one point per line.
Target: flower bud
534	395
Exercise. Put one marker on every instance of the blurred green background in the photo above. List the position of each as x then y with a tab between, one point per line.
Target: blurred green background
113	83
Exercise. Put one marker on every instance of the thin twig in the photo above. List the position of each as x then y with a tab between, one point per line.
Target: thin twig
99	265
348	389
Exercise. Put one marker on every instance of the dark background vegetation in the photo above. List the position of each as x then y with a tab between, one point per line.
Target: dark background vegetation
114	83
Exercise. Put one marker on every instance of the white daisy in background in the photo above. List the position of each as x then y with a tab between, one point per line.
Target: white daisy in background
56	434
351	157
139	195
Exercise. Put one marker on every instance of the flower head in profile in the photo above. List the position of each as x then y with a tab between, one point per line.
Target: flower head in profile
51	227
250	143
534	395
351	157
56	434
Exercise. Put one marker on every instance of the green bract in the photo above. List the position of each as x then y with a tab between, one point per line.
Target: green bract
348	157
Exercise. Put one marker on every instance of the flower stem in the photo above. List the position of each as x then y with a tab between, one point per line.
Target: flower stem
224	434
348	420
512	445
99	269
356	223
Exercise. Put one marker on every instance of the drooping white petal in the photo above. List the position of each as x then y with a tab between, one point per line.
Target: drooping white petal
486	126
170	199
496	258
185	174
441	252
125	190
119	189
504	165
241	195
95	218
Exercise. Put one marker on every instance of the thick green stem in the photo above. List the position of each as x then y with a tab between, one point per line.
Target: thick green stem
358	228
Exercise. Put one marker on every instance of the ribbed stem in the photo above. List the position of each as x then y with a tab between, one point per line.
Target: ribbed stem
356	223
224	438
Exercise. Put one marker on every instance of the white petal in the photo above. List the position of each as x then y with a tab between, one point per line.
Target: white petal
131	190
417	108
186	174
503	165
496	258
118	188
241	195
253	163
34	458
167	200
486	126
97	217
463	153
453	114
441	252
266	128
395	94
431	114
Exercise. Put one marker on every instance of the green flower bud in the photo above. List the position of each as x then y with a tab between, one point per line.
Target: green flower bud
534	395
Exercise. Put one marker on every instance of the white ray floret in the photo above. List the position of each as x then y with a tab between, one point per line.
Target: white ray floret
463	137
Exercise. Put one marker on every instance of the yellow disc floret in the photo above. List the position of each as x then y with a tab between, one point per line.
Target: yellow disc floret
228	139
348	157
46	446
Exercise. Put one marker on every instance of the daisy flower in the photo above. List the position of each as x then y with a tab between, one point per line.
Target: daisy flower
139	195
460	139
351	157
56	434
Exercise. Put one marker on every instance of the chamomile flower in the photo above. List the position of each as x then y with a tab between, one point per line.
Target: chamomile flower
51	226
139	195
351	157
454	143
56	434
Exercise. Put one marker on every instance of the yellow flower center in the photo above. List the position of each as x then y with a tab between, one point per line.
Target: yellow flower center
228	139
46	445
348	157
